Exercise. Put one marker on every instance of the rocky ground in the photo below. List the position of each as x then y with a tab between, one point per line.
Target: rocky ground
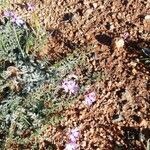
120	117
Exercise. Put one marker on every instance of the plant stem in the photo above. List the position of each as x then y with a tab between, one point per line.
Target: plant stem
22	52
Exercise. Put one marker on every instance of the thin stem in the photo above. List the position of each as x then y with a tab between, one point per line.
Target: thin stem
22	52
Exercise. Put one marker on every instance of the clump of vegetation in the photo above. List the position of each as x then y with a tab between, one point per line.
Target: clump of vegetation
15	42
12	41
30	89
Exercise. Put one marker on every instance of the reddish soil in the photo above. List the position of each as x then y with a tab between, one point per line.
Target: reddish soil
121	114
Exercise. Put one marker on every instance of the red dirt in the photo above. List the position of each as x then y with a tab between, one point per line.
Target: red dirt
125	90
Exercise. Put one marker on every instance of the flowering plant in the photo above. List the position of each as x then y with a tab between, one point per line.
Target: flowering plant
14	18
71	146
74	134
70	85
90	98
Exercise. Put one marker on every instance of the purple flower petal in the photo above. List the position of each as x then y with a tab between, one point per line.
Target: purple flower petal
30	7
72	138
88	102
70	86
14	18
125	36
19	21
71	146
8	14
90	98
75	132
74	135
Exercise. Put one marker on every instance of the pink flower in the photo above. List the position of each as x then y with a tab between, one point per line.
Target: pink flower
90	98
8	14
14	18
70	86
125	36
74	134
17	20
30	7
71	146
